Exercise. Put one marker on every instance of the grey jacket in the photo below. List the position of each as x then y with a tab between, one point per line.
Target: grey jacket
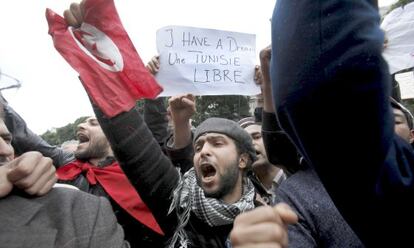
62	218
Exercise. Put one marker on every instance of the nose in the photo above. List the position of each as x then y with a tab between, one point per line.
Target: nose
6	151
81	126
205	150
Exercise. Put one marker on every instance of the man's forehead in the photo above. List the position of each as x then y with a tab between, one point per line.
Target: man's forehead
211	135
253	128
398	112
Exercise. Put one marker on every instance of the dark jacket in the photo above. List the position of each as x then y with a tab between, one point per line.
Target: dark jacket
320	224
181	158
331	90
279	149
154	176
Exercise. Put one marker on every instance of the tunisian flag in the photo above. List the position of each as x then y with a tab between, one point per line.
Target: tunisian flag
102	53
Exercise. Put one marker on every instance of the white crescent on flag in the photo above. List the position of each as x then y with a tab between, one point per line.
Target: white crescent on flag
97	45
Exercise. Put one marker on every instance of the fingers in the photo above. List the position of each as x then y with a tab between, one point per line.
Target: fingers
258	215
23	166
74	15
174	100
182	101
287	215
263	227
191	97
188	100
5	185
50	182
263	233
70	19
33	173
153	65
77	12
258	78
266	53
261	245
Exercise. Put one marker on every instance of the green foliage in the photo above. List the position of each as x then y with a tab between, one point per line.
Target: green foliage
409	104
140	105
62	134
231	107
399	4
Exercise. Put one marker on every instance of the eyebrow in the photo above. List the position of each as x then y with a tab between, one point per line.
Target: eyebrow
93	120
210	137
255	132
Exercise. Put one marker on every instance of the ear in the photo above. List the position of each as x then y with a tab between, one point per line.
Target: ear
243	160
412	136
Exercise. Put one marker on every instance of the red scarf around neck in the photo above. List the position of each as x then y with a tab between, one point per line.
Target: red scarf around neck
116	184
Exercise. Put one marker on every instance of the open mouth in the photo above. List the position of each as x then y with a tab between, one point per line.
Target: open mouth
82	138
208	171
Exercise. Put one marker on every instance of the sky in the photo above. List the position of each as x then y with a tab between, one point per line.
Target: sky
51	95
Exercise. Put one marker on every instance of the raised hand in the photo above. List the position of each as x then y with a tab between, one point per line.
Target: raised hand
153	65
265	55
263	227
182	108
74	15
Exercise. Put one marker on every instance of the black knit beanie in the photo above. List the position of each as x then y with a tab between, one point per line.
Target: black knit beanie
229	128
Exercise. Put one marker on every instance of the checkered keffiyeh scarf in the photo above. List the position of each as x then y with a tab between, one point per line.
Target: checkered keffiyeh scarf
189	197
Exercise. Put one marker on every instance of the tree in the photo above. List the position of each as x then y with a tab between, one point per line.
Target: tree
231	107
59	135
409	104
399	4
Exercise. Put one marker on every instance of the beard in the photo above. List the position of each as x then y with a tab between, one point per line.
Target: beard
227	181
97	148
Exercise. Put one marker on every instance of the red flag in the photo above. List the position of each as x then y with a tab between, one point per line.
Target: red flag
102	53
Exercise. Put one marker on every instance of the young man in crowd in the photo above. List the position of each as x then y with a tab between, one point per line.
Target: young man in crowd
269	175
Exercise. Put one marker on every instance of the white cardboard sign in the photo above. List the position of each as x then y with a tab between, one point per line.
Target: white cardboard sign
399	30
206	61
406	82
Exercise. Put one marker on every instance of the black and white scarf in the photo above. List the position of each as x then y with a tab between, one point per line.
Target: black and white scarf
189	197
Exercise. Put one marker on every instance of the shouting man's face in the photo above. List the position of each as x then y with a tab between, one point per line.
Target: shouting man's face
217	164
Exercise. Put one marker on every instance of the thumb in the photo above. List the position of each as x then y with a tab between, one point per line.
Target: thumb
5	185
287	215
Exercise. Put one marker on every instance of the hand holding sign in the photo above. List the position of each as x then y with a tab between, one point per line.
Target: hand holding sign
206	61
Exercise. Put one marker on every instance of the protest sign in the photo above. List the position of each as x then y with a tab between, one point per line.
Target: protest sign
406	83
399	32
206	61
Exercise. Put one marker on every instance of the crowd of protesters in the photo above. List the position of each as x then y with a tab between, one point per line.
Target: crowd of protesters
327	162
